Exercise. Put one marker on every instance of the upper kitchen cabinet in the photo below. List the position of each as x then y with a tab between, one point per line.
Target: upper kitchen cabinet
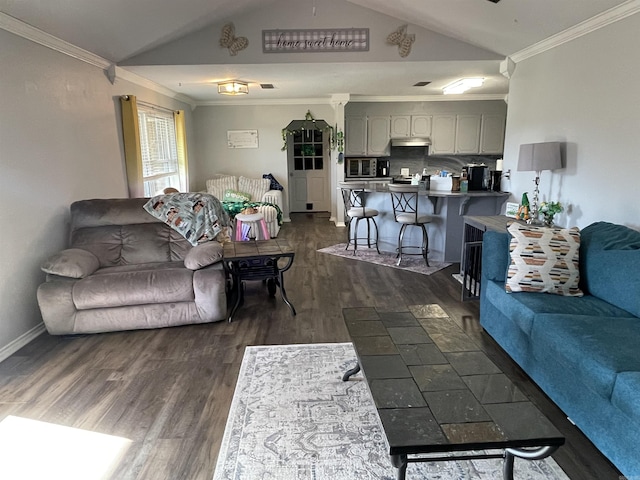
492	134
443	135
355	136
403	126
367	136
468	134
378	136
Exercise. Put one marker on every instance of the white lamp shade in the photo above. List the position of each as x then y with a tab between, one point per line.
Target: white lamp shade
536	157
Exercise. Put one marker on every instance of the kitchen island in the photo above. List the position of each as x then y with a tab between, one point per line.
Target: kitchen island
447	209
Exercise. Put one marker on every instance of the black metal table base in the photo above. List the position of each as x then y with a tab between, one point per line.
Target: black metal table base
258	268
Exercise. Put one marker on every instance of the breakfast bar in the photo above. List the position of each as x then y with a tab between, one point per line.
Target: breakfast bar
447	209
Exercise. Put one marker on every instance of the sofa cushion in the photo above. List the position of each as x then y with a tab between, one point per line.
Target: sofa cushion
274	184
203	255
544	259
72	262
523	307
610	264
235	196
158	284
219	183
594	348
256	187
625	393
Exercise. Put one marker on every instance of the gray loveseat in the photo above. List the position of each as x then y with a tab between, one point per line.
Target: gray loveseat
126	270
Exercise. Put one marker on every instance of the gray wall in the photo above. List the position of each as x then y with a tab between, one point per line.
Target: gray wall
60	141
584	94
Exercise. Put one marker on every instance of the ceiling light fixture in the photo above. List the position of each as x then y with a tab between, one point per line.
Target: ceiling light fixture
233	87
462	85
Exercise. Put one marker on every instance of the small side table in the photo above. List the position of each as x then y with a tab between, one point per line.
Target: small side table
258	260
471	261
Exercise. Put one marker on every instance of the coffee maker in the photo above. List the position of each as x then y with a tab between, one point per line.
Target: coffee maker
382	169
477	174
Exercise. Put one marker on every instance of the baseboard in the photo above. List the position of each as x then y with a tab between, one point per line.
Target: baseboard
21	341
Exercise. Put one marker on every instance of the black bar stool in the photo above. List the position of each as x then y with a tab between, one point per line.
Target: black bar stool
353	197
404	199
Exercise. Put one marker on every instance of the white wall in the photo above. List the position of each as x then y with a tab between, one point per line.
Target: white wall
60	141
585	94
213	156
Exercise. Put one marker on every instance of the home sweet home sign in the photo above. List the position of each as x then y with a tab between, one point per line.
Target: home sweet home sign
316	40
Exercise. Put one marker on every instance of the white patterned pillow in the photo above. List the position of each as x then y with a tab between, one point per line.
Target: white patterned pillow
256	187
544	259
220	183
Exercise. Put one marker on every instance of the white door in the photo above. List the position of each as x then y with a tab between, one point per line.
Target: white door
307	155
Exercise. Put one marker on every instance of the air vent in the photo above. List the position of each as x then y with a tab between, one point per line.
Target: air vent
267	86
421	84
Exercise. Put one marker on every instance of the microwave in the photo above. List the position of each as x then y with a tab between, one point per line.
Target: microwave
361	167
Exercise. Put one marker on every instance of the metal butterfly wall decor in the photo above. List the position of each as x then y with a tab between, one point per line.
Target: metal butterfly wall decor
402	40
229	40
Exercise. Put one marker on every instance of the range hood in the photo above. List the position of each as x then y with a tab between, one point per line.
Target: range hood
411	142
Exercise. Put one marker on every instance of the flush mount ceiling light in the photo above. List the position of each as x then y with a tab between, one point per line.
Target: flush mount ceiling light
462	85
233	87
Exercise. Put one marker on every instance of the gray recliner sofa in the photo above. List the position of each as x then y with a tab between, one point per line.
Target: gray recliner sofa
125	270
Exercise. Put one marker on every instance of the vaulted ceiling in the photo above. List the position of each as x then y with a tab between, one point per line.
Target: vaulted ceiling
120	29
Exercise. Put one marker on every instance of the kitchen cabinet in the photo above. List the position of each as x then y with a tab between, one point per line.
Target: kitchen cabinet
378	136
367	136
443	135
492	134
355	136
410	126
468	134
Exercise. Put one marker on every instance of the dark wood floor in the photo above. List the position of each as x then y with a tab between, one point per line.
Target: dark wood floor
169	390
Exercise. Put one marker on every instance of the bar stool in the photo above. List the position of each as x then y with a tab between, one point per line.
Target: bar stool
404	199
353	197
253	223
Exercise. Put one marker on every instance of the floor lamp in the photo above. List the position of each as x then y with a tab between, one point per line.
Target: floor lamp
536	157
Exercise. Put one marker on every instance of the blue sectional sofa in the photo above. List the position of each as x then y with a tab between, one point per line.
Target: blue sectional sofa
583	352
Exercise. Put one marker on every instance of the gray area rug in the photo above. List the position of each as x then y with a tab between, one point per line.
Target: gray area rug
410	263
293	418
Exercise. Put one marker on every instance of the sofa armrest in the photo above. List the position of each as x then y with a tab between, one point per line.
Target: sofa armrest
495	256
72	263
274	197
203	255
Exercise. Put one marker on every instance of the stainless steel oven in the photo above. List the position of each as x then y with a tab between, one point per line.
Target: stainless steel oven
361	167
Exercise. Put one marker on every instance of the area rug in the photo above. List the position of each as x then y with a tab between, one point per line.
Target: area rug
410	263
293	418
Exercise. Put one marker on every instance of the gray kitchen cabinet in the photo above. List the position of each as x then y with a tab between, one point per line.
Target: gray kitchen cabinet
443	135
468	134
355	136
403	126
378	136
492	134
421	125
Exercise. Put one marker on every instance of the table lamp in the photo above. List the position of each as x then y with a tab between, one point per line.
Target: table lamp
536	157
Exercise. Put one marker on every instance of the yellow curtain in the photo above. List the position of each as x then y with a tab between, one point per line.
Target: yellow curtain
181	143
132	150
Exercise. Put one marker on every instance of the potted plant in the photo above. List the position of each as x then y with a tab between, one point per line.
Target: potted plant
548	211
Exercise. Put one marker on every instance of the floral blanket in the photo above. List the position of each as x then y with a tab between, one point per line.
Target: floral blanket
198	217
233	208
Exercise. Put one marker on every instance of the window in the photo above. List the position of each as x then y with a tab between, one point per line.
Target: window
159	153
155	148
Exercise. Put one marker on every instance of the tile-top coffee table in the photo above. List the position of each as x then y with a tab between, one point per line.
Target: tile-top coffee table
437	392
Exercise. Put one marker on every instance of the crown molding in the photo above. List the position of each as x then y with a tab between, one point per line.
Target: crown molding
429	98
275	101
116	73
592	24
17	27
